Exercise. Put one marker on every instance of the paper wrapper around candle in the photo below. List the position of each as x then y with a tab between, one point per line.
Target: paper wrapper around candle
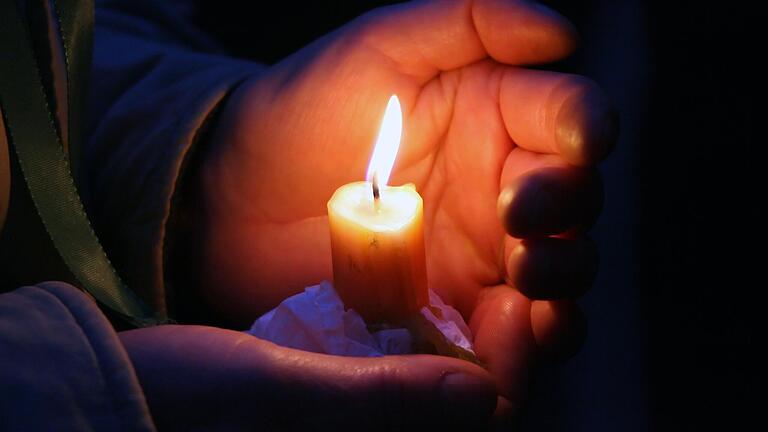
379	262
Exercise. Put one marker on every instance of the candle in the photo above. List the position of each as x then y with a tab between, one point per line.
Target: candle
377	236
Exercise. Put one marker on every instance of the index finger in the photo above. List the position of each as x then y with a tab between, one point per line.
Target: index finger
556	113
424	38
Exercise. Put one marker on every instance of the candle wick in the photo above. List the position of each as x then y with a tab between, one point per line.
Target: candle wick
375	183
376	191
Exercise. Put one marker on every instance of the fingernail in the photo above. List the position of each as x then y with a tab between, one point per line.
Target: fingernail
545	212
586	127
561	336
531	208
503	204
467	398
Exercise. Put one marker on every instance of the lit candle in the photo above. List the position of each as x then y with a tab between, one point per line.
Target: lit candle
377	236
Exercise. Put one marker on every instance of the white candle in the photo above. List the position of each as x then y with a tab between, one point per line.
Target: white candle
377	236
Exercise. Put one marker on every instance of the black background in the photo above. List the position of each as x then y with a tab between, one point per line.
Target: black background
675	313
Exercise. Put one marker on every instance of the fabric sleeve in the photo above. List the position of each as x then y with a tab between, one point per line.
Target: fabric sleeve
156	78
62	367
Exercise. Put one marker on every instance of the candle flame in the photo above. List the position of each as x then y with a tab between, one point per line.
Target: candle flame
387	143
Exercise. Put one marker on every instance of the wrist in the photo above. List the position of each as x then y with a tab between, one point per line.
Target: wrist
188	225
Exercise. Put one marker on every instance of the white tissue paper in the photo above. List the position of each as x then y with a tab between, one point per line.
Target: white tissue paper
315	320
451	325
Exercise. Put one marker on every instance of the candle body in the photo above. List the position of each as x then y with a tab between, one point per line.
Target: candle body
379	261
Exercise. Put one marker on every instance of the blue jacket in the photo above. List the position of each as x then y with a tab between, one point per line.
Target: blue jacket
156	79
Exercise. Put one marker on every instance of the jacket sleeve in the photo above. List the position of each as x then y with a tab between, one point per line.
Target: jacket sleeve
62	366
156	78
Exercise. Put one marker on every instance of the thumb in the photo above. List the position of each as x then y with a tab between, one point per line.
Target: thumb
392	393
195	376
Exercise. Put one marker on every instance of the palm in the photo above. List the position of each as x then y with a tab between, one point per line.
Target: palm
288	138
459	179
312	136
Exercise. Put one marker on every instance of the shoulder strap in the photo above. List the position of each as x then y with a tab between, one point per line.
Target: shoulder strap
76	27
43	162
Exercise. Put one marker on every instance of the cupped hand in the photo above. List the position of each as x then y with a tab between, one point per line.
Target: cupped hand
503	157
205	378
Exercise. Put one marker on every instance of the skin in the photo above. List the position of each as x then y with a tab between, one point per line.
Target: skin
502	156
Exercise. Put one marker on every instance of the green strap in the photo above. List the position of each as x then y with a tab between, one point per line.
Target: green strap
76	27
46	170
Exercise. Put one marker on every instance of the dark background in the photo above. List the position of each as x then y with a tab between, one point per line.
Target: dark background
674	313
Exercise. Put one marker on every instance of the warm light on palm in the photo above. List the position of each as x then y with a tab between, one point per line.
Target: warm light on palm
300	141
288	138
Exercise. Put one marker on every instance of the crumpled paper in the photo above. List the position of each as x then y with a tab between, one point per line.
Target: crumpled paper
449	321
315	320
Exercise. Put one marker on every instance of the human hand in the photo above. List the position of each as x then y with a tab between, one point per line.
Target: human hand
205	378
503	157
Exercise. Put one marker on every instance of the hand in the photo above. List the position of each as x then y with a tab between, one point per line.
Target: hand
197	378
502	156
